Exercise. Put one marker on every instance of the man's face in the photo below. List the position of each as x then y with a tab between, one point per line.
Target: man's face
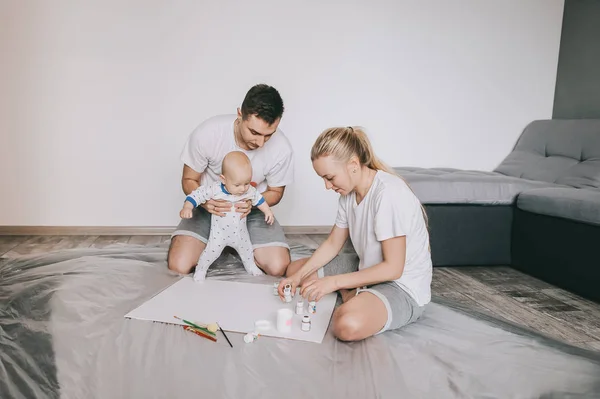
255	132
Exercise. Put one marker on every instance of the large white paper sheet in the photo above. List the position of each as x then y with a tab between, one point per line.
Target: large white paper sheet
235	306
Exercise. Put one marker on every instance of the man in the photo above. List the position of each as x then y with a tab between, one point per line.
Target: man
254	131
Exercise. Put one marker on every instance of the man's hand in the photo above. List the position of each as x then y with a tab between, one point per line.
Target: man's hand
217	207
243	207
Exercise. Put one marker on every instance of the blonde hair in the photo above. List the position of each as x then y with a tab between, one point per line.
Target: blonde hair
345	142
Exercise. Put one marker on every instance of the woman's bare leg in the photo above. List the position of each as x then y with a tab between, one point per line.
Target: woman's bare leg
347	294
360	317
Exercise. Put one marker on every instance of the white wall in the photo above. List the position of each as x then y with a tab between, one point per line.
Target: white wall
96	100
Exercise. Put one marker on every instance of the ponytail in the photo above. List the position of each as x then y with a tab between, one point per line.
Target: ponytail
345	142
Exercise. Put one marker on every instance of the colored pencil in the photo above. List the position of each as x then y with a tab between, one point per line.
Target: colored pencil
200	333
224	335
196	326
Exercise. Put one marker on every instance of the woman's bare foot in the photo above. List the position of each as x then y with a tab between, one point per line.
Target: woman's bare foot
347	294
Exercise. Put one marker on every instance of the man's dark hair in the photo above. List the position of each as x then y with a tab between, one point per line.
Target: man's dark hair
263	101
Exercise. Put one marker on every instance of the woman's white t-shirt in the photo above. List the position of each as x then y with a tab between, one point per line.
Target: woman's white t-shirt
390	209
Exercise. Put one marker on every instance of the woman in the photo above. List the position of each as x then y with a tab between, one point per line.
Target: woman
389	284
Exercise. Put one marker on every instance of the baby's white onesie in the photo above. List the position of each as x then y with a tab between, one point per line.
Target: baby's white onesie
229	230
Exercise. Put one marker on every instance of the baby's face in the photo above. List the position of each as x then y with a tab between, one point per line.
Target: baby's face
236	183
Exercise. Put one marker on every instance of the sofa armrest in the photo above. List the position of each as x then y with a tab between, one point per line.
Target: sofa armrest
581	205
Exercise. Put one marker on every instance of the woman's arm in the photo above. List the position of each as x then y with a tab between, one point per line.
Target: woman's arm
325	253
391	268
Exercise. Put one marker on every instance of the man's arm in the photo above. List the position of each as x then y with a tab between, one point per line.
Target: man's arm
273	195
280	174
190	179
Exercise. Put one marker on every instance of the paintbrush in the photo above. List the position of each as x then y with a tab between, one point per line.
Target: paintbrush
207	331
200	333
224	335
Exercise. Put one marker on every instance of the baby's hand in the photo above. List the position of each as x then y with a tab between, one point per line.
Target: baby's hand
269	217
186	212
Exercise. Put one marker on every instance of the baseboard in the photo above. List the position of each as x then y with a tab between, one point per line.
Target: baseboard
85	230
307	229
125	230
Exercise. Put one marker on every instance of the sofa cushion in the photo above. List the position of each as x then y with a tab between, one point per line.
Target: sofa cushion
456	186
565	152
582	205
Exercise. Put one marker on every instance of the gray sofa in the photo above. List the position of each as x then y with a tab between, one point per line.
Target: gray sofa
538	211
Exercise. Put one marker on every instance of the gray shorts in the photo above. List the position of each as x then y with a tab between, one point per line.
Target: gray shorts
261	234
402	309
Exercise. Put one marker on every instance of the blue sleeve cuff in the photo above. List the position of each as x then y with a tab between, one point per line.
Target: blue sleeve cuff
262	199
192	200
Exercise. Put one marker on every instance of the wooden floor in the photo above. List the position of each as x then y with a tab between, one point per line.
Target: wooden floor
500	291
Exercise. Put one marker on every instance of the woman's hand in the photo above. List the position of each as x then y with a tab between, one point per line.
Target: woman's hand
316	289
293	281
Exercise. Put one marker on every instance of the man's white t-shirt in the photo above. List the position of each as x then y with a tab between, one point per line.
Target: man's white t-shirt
207	145
390	209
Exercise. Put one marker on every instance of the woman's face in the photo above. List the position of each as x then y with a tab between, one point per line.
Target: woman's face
335	174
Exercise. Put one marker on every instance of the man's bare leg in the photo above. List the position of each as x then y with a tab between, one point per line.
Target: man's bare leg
272	260
184	253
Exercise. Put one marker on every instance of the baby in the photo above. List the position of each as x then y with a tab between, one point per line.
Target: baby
229	230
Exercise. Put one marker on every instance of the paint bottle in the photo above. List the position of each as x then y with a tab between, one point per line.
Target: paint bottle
312	307
287	293
251	337
300	306
275	288
306	323
284	320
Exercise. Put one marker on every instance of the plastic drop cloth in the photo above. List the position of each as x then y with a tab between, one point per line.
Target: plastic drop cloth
63	334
